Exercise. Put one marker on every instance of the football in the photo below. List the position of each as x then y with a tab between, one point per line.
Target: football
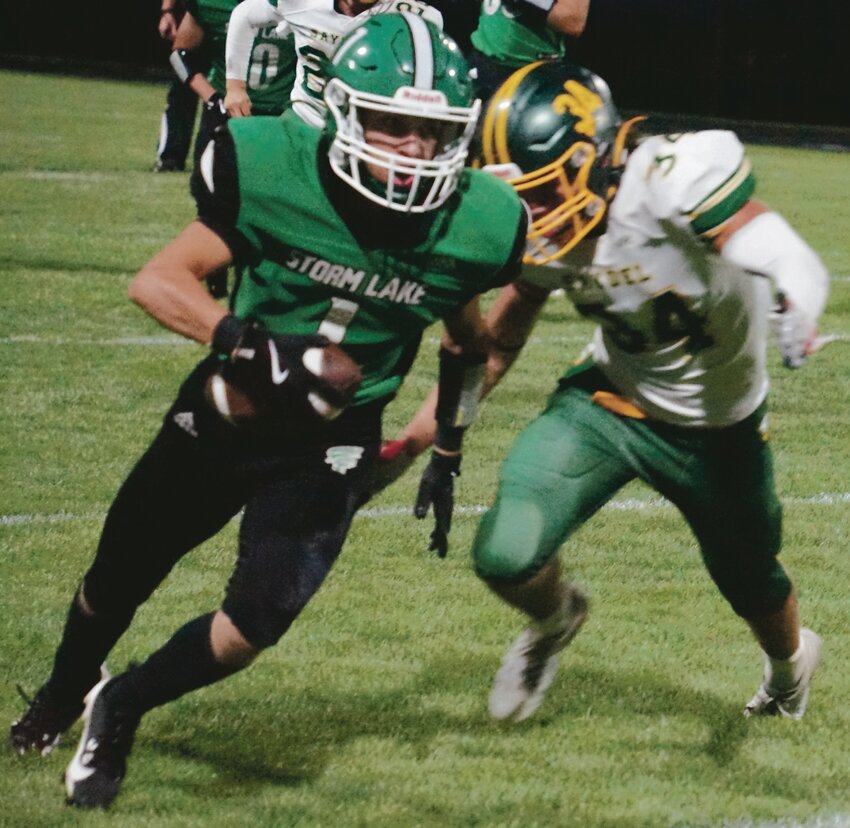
331	378
338	379
230	401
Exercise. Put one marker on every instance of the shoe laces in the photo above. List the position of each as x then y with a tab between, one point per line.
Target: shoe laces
43	716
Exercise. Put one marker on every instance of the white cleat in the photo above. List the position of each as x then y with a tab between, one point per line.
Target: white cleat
529	665
790	702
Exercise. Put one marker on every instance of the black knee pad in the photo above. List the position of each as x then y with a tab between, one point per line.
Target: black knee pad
274	582
260	627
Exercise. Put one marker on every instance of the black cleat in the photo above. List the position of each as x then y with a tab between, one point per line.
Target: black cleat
43	724
94	776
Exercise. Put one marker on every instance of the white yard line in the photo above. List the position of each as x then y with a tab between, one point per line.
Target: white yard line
821	821
85	177
117	341
173	339
627	505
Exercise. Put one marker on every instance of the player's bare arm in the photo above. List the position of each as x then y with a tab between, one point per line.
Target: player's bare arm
169	286
507	326
568	16
509	322
187	41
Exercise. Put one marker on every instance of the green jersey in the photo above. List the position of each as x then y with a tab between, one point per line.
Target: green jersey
515	41
304	268
271	68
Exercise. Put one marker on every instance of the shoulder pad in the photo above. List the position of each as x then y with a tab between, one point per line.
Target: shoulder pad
702	177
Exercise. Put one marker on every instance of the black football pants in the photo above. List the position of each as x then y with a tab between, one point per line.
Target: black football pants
299	500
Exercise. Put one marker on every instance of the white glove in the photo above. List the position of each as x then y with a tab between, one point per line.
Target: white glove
794	331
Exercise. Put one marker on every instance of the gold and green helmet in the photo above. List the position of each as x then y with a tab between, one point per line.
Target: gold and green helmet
553	132
399	64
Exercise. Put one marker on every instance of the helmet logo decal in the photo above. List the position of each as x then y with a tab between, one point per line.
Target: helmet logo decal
580	102
421	96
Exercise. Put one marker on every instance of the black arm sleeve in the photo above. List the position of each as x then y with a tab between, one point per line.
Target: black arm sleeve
215	188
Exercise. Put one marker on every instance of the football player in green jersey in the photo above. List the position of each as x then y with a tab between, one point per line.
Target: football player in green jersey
181	104
661	243
269	74
513	33
198	61
361	235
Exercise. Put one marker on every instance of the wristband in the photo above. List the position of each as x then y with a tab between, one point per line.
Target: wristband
449	439
228	334
183	63
166	11
460	385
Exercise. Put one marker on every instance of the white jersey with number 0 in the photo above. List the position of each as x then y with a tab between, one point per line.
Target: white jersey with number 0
317	28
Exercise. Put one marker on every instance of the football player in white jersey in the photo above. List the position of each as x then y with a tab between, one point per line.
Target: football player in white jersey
317	26
661	243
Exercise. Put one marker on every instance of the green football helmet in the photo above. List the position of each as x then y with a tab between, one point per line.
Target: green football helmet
553	132
400	65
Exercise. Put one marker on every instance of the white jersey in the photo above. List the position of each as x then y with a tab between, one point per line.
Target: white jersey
317	28
682	331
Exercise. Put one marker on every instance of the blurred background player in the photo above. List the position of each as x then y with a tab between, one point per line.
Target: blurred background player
514	33
181	104
198	59
317	26
661	243
363	235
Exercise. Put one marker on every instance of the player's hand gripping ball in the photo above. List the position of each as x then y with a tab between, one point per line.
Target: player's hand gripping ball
273	377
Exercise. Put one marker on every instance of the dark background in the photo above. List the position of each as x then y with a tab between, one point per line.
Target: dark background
753	60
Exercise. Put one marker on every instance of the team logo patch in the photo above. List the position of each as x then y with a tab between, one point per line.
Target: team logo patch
186	421
342	459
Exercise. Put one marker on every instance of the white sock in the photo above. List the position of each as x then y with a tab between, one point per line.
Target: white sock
786	672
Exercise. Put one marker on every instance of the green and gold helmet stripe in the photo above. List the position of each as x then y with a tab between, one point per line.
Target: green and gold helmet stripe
495	133
709	216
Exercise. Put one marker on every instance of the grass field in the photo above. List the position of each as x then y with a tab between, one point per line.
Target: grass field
372	711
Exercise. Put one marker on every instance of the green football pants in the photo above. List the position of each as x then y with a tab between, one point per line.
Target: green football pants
576	455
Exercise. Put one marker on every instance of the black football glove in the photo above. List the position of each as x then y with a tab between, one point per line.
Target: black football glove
436	488
270	367
217	114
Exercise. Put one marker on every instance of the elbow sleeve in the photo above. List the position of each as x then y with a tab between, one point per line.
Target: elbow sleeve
769	245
